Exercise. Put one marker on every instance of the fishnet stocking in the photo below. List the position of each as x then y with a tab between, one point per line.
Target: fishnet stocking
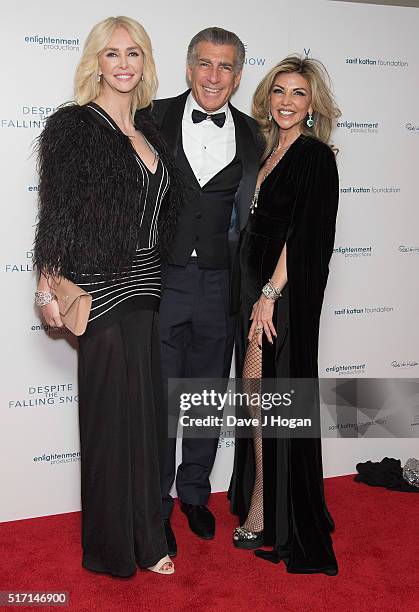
252	374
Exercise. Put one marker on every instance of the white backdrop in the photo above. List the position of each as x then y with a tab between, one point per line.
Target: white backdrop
369	323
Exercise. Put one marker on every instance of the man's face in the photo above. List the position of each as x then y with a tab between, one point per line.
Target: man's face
212	77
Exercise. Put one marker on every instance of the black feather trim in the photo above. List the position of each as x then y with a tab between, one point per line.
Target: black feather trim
91	195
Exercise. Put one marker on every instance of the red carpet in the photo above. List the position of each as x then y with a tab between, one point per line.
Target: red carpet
376	544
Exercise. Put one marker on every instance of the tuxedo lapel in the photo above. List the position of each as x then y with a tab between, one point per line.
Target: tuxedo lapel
171	126
246	147
249	153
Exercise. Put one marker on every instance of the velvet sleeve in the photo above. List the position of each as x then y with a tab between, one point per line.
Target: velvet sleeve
309	248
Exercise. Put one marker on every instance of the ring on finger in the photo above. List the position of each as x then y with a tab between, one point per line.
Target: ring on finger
259	330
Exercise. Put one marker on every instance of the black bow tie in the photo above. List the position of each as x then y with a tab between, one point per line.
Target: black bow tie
218	118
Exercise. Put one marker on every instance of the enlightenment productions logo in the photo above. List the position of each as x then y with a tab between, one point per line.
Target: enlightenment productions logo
347	369
54	43
57	394
28	117
58	458
353	251
359	127
374	62
252	59
51	331
363	189
363	310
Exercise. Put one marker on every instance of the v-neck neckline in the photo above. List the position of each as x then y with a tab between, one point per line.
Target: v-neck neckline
101	111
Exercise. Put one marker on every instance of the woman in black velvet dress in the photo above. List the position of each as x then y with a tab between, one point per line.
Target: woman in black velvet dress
285	248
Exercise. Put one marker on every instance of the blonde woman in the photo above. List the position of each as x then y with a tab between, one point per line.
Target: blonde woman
107	208
277	484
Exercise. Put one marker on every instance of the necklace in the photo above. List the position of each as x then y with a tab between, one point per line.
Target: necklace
267	170
150	146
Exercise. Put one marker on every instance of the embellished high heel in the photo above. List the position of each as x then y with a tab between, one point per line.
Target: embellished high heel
159	567
249	540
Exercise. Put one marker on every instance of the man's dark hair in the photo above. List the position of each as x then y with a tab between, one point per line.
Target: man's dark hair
217	36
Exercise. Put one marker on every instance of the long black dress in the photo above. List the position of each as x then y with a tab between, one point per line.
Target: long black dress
297	205
123	420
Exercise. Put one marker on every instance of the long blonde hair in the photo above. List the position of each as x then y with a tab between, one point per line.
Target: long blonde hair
86	85
324	106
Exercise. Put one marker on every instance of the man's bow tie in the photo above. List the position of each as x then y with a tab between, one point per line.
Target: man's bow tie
218	118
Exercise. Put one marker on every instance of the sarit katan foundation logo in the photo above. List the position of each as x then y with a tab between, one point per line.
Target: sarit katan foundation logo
253	59
54	458
53	43
369	189
361	311
28	116
38	396
358	127
24	264
353	251
376	62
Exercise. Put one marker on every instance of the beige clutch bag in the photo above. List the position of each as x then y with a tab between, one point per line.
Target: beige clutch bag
74	304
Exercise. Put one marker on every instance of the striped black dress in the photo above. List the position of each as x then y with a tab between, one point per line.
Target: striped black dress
122	415
139	286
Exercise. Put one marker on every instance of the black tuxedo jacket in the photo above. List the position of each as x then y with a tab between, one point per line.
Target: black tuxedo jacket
168	114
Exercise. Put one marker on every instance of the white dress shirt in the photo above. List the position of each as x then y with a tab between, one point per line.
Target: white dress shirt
207	147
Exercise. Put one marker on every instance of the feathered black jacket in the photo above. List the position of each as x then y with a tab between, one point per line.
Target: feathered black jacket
91	193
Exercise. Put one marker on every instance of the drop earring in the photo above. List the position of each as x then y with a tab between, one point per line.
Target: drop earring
99	76
142	78
269	115
310	121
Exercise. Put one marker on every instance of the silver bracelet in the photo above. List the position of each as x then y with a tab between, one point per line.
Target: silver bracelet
271	292
42	298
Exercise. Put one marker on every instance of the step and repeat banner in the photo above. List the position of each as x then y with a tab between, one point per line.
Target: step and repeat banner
369	323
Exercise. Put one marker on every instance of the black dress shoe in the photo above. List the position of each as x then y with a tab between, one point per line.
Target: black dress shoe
170	539
201	520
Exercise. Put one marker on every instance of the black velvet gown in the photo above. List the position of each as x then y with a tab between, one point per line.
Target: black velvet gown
297	206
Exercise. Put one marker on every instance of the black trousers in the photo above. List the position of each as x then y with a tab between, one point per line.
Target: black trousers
123	428
196	342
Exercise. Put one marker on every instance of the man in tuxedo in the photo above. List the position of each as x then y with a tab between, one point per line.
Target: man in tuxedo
217	149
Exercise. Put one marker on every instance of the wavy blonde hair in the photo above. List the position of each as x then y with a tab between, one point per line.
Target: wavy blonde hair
86	85
325	110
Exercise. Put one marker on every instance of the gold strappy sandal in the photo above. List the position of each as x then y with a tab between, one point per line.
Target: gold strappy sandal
159	567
